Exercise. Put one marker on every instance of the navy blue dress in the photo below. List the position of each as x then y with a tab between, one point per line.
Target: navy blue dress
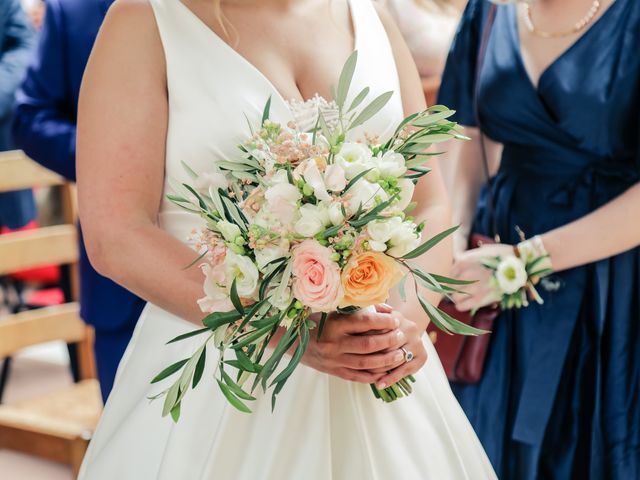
560	395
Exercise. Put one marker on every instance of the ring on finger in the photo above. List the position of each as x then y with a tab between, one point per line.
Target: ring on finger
408	355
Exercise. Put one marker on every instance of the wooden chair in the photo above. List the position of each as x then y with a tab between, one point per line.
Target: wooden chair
56	426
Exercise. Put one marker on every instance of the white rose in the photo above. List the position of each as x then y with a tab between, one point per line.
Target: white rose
214	180
403	240
511	274
281	301
407	189
270	253
244	271
313	220
354	158
334	178
335	213
365	193
230	231
382	230
390	164
282	201
313	178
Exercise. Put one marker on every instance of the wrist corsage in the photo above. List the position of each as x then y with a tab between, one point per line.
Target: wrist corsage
515	276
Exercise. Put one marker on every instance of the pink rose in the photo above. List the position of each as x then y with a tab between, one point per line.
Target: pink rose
316	280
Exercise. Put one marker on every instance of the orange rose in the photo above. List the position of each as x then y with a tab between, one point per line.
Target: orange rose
368	279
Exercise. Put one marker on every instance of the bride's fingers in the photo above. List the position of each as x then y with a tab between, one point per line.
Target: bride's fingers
364	344
357	375
363	322
386	361
407	368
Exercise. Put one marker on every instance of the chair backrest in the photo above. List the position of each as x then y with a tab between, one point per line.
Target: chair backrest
55	245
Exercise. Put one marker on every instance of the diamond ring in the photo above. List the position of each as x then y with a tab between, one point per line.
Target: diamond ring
408	354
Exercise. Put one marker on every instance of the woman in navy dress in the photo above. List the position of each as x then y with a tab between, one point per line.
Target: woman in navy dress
560	393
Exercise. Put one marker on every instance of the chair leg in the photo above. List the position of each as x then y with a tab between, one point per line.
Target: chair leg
4	375
78	450
74	362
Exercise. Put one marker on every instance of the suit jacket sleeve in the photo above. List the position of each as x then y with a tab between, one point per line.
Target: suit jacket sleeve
15	52
45	117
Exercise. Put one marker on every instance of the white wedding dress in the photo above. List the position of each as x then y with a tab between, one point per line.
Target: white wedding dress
323	427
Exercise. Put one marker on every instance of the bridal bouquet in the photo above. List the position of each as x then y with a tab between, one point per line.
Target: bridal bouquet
300	225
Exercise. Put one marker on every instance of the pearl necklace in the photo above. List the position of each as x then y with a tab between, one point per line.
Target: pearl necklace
580	24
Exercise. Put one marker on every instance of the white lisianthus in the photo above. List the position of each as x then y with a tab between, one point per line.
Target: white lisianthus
390	164
380	232
407	189
365	193
511	274
335	213
313	178
208	180
354	158
244	271
313	220
403	239
334	178
230	231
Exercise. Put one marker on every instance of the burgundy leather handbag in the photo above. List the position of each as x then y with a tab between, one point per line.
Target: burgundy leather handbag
463	356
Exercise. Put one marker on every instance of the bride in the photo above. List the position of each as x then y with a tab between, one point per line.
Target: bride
171	81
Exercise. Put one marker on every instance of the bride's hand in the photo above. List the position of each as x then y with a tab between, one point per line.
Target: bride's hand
413	343
352	346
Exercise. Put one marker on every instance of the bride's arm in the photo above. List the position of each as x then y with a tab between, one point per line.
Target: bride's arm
122	125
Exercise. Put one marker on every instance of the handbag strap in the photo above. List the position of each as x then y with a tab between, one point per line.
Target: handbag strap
486	34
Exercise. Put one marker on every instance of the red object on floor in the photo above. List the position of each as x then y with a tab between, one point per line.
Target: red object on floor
40	275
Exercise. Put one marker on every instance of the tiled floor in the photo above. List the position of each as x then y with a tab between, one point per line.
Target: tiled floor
34	372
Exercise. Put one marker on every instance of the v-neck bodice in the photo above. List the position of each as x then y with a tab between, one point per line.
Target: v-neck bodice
213	92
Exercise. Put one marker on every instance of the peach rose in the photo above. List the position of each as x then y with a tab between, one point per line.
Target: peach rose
316	280
368	279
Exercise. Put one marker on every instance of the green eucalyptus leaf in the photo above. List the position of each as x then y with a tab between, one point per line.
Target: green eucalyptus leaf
344	83
429	244
184	336
233	400
199	370
217	319
370	110
359	99
266	111
235	298
170	370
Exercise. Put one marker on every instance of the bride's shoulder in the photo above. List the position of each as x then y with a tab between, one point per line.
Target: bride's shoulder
131	17
130	25
128	41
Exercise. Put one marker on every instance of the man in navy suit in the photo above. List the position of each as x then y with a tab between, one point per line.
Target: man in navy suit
17	40
45	128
